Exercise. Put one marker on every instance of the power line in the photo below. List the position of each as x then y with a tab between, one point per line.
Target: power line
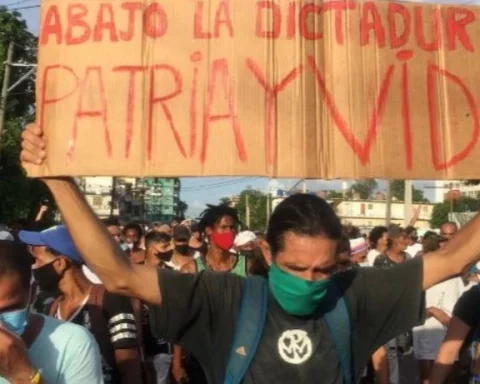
26	7
219	184
16	3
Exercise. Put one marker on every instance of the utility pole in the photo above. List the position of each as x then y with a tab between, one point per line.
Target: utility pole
247	206
113	196
268	209
408	202
6	83
388	213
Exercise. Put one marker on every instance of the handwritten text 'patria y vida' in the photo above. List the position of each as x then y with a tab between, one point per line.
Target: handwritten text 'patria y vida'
403	29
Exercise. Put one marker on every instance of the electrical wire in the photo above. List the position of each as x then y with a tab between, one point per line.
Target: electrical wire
15	3
26	7
219	184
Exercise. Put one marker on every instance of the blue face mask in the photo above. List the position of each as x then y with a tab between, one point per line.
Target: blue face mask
15	321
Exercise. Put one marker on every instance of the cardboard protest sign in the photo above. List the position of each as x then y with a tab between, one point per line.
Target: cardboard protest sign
283	88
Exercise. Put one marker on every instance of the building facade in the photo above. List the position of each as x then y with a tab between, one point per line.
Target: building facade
134	199
367	214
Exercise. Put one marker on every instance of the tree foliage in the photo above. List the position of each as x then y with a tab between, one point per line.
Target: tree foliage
19	196
398	192
335	195
365	188
257	202
441	210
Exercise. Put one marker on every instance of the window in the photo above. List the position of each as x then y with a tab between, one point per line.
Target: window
97	201
370	206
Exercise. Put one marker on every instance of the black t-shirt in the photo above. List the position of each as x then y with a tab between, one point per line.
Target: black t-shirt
120	322
199	312
467	309
153	345
383	261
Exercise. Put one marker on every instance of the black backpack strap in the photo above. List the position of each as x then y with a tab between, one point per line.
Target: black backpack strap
249	329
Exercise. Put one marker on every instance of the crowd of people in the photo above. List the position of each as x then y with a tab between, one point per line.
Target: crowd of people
307	301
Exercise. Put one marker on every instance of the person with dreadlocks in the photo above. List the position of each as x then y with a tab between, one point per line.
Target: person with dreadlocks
219	224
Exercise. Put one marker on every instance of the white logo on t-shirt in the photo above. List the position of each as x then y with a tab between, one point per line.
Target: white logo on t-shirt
294	346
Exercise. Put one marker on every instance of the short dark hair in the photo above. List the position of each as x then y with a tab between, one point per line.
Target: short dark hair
351	231
156	237
111	222
214	213
432	242
375	235
302	214
135	227
410	229
15	258
344	245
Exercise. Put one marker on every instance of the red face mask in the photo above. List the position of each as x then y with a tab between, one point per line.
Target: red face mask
224	240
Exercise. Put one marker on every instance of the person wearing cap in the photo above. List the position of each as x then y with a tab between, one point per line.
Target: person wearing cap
109	317
182	253
245	241
359	251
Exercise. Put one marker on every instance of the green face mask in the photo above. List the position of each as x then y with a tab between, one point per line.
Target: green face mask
296	296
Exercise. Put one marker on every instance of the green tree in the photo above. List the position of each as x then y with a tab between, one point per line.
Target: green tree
257	202
365	188
19	196
441	210
398	192
335	195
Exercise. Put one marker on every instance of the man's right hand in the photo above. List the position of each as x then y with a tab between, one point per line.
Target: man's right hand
33	146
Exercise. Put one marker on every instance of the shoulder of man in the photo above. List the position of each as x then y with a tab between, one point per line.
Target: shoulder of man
65	332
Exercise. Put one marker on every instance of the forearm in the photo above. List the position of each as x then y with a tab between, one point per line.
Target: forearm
462	250
440	373
91	238
131	372
440	315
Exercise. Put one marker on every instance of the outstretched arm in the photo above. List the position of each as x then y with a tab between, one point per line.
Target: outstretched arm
462	250
97	247
456	334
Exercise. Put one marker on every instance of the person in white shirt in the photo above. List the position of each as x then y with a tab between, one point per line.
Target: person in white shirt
378	239
440	300
413	246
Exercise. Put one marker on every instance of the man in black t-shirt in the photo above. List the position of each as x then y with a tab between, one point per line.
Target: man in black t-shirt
463	340
199	311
